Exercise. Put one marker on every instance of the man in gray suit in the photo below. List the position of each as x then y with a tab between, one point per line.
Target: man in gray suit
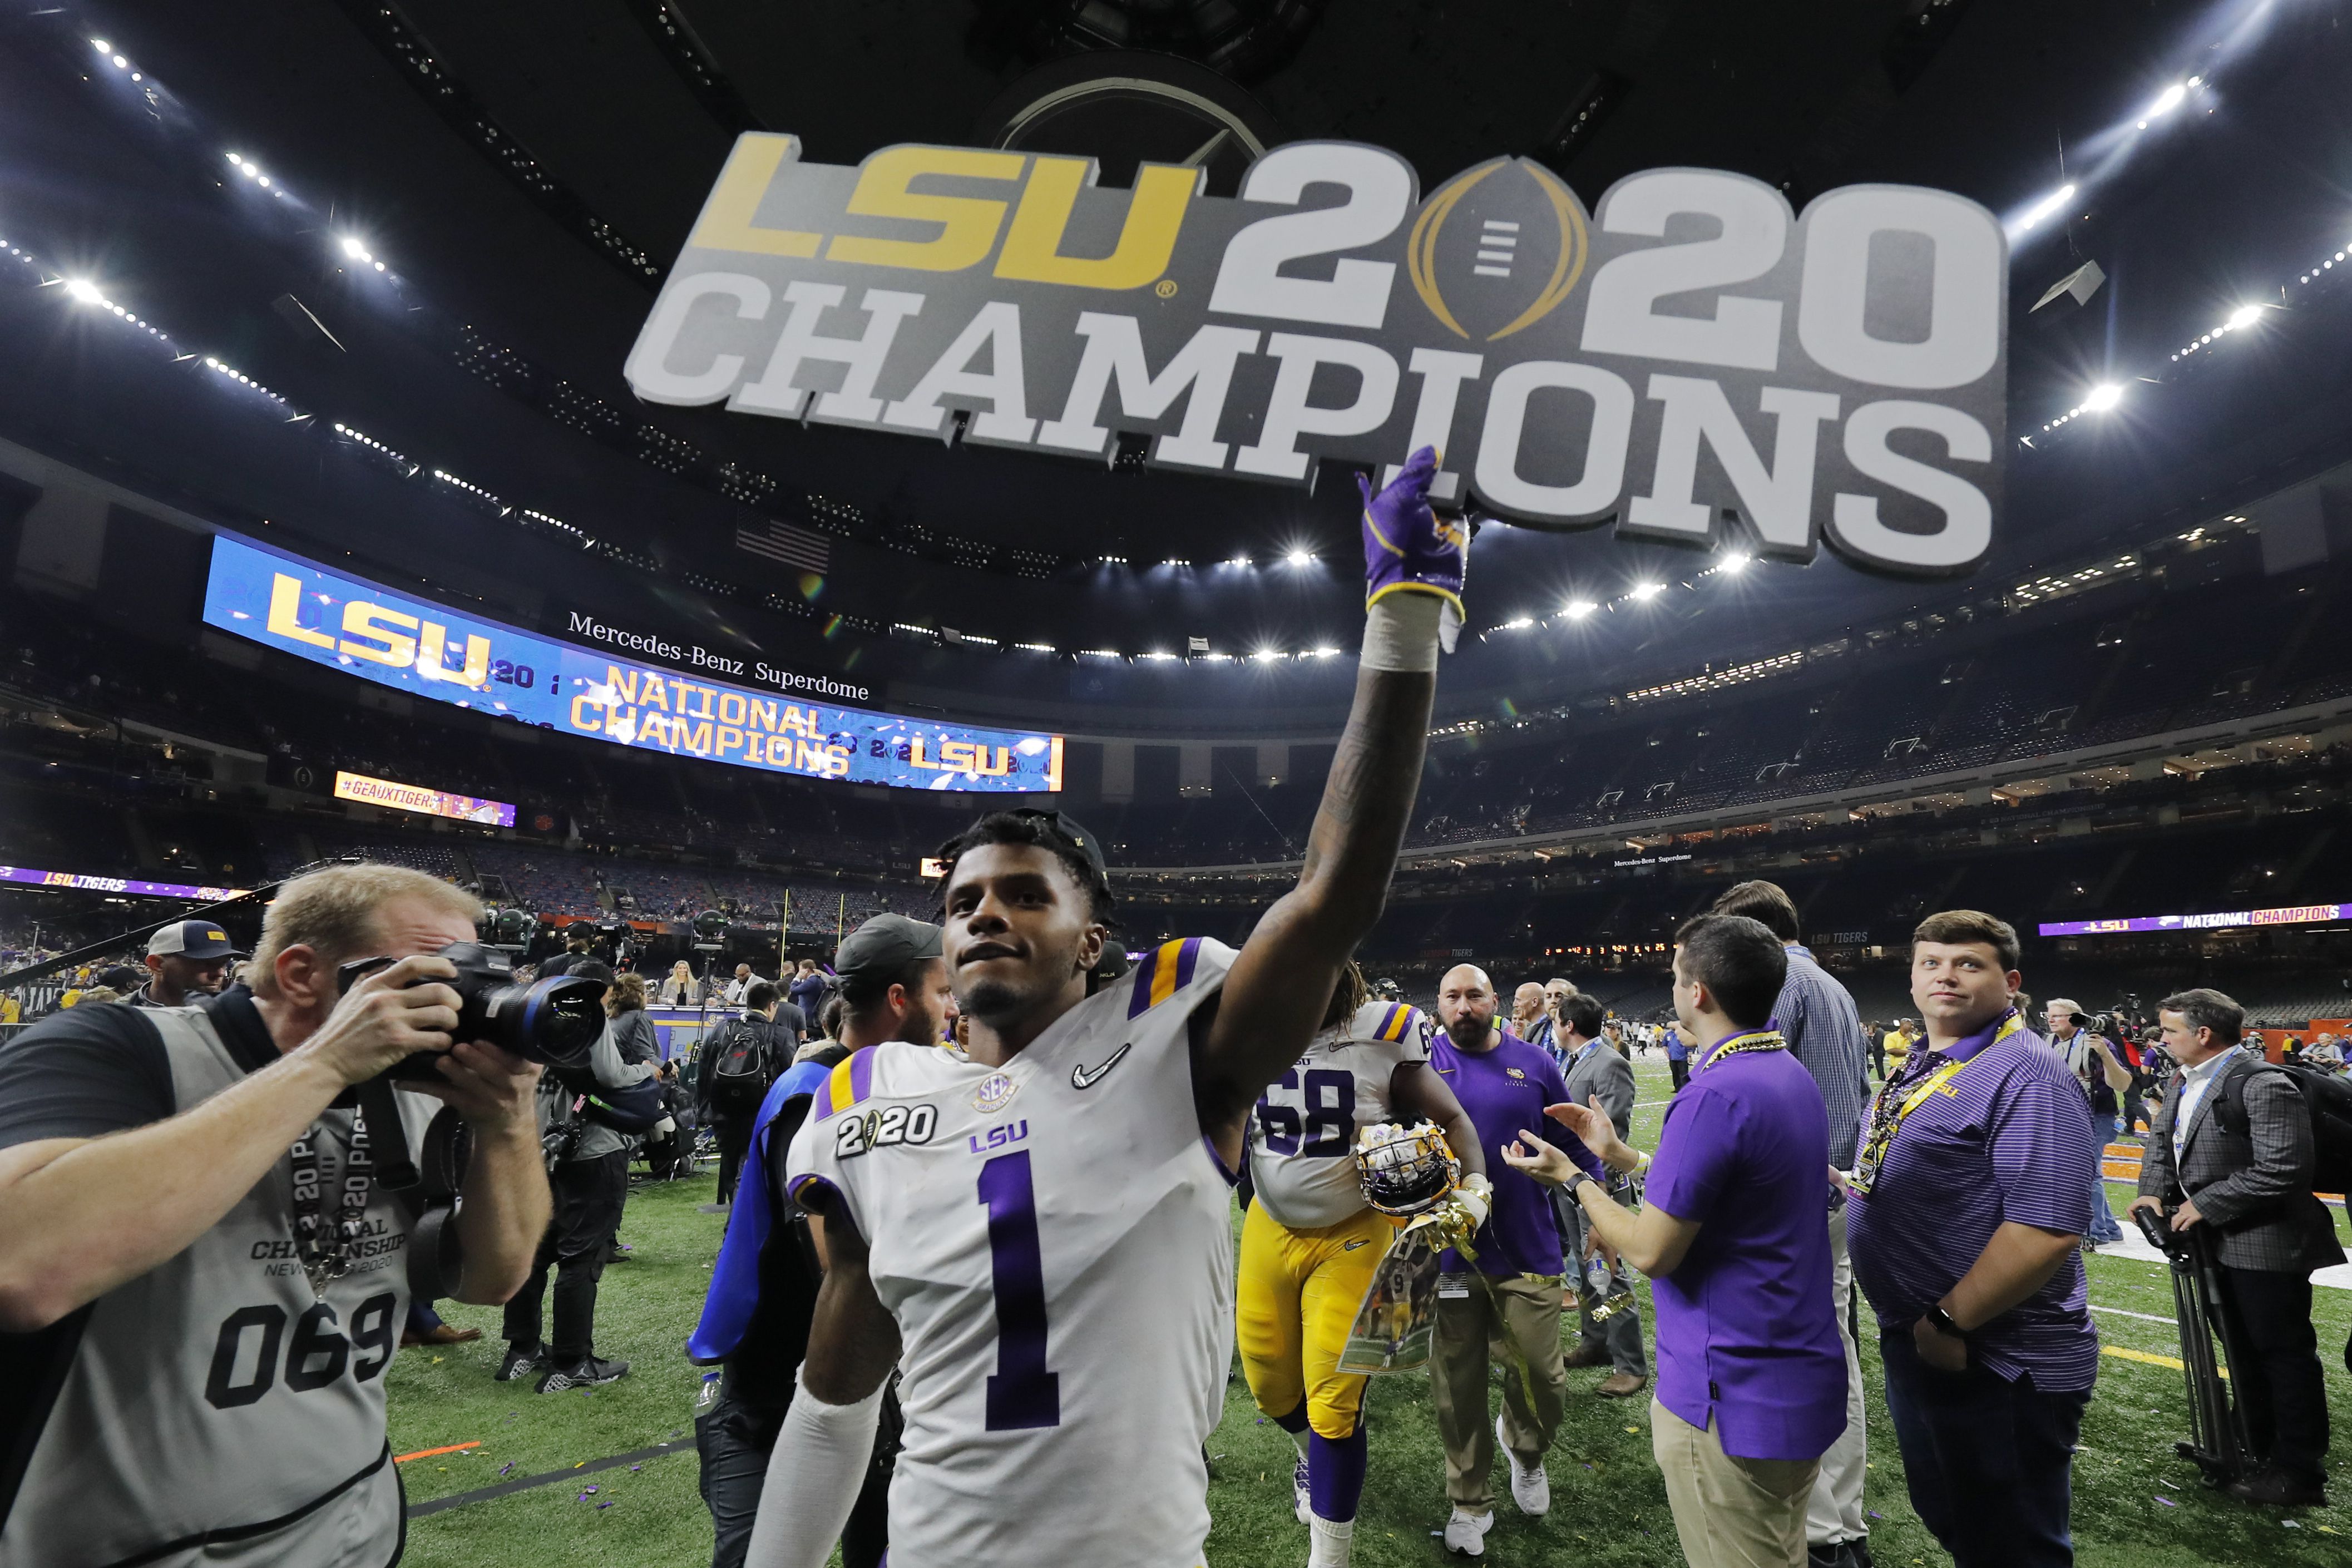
1597	1075
2232	1147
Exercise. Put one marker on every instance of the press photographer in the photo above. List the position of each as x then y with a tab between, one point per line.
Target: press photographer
201	1283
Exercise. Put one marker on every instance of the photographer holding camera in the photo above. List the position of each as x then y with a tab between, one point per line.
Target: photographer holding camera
200	1284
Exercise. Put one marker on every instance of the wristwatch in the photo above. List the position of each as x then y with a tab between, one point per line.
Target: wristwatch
1943	1323
1578	1181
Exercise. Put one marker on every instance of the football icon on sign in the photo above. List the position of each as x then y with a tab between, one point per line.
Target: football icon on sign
1497	248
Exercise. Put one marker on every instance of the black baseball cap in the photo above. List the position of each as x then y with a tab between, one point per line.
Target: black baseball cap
198	939
883	947
1070	828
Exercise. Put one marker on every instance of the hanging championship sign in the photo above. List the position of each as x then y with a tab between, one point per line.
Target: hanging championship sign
1694	362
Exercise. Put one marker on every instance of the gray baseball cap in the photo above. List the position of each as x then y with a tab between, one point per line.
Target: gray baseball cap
885	946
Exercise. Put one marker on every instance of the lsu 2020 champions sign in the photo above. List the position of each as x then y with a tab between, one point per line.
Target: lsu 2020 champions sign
1694	362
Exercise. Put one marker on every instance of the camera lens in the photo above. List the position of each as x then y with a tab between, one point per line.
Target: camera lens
560	1021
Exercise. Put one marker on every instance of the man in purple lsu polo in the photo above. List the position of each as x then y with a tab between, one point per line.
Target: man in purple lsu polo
1970	1195
1734	1234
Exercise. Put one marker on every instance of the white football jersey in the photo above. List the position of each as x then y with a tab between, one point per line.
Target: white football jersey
1053	1239
1303	1137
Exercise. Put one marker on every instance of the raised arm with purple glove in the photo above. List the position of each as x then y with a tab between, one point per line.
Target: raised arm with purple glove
1408	551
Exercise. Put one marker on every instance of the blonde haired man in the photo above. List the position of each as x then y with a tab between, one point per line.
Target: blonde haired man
186	1213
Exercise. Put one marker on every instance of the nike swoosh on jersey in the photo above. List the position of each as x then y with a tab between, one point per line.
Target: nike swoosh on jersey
1083	1077
1351	1246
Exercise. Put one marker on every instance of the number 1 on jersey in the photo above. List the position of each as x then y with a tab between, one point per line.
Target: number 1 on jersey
1023	1394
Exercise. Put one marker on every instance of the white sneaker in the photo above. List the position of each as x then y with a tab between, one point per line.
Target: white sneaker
1466	1532
1302	1499
1530	1487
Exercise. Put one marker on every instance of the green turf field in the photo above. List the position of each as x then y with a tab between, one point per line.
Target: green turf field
2135	1504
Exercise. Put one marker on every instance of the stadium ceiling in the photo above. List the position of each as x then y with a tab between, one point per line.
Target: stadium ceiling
525	169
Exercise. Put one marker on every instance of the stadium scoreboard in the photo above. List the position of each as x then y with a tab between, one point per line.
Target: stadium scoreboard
431	651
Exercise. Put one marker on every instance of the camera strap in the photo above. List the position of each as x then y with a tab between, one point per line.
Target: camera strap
326	1246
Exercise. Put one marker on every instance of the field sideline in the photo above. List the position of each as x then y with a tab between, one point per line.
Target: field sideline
2136	1506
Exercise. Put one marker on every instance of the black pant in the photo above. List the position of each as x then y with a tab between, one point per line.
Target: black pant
1680	1068
2280	1387
588	1198
734	1443
1988	1461
1878	1057
734	1134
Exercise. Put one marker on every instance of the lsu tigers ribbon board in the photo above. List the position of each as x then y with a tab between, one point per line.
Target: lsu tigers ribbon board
1692	348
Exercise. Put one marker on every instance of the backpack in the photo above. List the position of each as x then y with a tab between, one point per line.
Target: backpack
740	1069
2328	1100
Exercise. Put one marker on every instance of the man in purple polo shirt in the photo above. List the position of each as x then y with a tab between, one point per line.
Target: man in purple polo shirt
1734	1234
1503	1084
1971	1191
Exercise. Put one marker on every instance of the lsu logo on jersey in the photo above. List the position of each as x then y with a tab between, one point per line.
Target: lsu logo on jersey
883	1127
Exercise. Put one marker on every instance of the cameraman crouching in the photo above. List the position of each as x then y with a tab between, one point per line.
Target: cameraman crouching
200	1288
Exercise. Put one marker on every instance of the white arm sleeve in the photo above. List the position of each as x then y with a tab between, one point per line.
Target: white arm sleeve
814	1474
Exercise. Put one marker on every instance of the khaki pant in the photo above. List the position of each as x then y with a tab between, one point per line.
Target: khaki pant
1730	1513
1525	1333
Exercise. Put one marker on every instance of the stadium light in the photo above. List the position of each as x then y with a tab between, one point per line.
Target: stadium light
1300	558
83	289
1647	590
1239	561
2046	206
355	249
2166	102
1267	655
2102	397
1577	609
2244	316
1736	561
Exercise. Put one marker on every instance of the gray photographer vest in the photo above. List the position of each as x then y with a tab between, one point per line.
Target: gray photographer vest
214	1411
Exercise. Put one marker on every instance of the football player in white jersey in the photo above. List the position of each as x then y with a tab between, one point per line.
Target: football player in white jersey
1310	1244
1035	1228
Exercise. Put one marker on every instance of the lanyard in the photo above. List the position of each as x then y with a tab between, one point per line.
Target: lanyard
324	1261
1887	1111
1741	1044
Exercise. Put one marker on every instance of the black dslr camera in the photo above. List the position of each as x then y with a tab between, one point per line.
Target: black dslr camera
556	1022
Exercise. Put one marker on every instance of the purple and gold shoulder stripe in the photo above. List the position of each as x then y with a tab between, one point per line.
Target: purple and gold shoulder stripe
851	1081
1167	971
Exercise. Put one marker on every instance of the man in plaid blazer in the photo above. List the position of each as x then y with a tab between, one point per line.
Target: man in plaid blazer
2232	1147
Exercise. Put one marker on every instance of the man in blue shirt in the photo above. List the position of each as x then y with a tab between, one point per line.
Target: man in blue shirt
895	985
1970	1197
1677	1058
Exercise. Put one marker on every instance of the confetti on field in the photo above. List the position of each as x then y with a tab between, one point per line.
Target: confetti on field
1875	1514
635	1468
506	1469
603	1505
1633	1429
2289	1525
2168	1503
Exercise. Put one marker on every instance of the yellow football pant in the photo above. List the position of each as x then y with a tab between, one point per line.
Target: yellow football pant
1297	1300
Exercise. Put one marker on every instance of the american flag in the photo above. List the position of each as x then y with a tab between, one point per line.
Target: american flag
803	547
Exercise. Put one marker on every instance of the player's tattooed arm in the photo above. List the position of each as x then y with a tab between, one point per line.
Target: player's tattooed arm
853	1340
1421	1095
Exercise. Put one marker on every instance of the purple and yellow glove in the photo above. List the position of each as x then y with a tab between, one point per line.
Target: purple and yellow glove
1408	548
